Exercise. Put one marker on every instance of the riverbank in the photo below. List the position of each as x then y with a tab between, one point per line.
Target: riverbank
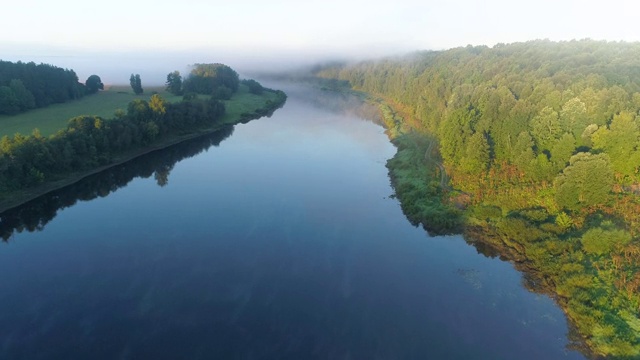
241	113
518	226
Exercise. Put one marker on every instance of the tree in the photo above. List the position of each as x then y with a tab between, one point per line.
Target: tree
174	83
254	86
93	84
587	181
136	84
206	78
545	128
157	105
9	103
477	156
599	241
573	117
620	140
25	98
562	150
138	110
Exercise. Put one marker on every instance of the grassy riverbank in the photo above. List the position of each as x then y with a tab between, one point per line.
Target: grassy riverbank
243	106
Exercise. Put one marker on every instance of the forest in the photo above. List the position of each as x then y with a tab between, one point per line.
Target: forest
25	86
531	150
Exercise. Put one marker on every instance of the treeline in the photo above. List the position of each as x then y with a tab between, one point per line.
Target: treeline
542	144
25	86
89	142
34	215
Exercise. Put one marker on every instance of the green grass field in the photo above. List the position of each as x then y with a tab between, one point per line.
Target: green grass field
55	117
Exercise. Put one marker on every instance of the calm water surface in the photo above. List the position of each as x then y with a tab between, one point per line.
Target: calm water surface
280	243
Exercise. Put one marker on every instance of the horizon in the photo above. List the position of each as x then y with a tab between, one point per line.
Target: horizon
120	38
115	67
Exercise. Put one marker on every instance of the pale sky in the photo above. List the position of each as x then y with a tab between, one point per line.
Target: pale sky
256	28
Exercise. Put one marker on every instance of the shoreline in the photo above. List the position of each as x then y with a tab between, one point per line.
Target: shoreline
19	198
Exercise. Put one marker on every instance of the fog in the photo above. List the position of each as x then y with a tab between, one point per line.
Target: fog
115	68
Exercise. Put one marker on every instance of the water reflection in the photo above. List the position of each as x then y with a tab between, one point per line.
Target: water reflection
34	215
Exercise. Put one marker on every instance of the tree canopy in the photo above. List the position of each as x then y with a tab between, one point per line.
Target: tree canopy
136	84
208	78
93	84
174	83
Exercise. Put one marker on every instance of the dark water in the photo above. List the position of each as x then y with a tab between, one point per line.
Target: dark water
278	243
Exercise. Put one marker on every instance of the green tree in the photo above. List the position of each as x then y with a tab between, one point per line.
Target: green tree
545	128
598	241
25	98
174	83
523	151
454	131
138	110
587	181
573	117
476	159
206	78
620	140
562	150
9	103
93	84
136	84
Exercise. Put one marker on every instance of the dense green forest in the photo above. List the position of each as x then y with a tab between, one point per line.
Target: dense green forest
90	142
25	86
533	150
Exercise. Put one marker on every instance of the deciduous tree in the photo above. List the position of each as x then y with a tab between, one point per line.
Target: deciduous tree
93	84
587	181
136	84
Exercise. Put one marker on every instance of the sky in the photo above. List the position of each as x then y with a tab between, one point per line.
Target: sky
265	32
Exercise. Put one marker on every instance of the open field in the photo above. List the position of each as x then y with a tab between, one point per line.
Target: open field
55	117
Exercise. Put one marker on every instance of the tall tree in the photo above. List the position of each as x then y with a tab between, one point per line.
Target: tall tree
25	98
620	140
136	84
174	83
545	128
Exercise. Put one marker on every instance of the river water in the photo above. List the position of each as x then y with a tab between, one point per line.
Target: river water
273	240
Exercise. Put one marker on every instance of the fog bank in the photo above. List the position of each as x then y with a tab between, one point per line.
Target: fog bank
115	68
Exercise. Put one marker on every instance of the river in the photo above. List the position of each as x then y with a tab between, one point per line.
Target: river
277	239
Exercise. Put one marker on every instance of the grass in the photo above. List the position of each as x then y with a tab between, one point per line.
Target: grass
244	101
55	117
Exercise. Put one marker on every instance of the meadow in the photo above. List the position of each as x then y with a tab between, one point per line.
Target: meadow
55	117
